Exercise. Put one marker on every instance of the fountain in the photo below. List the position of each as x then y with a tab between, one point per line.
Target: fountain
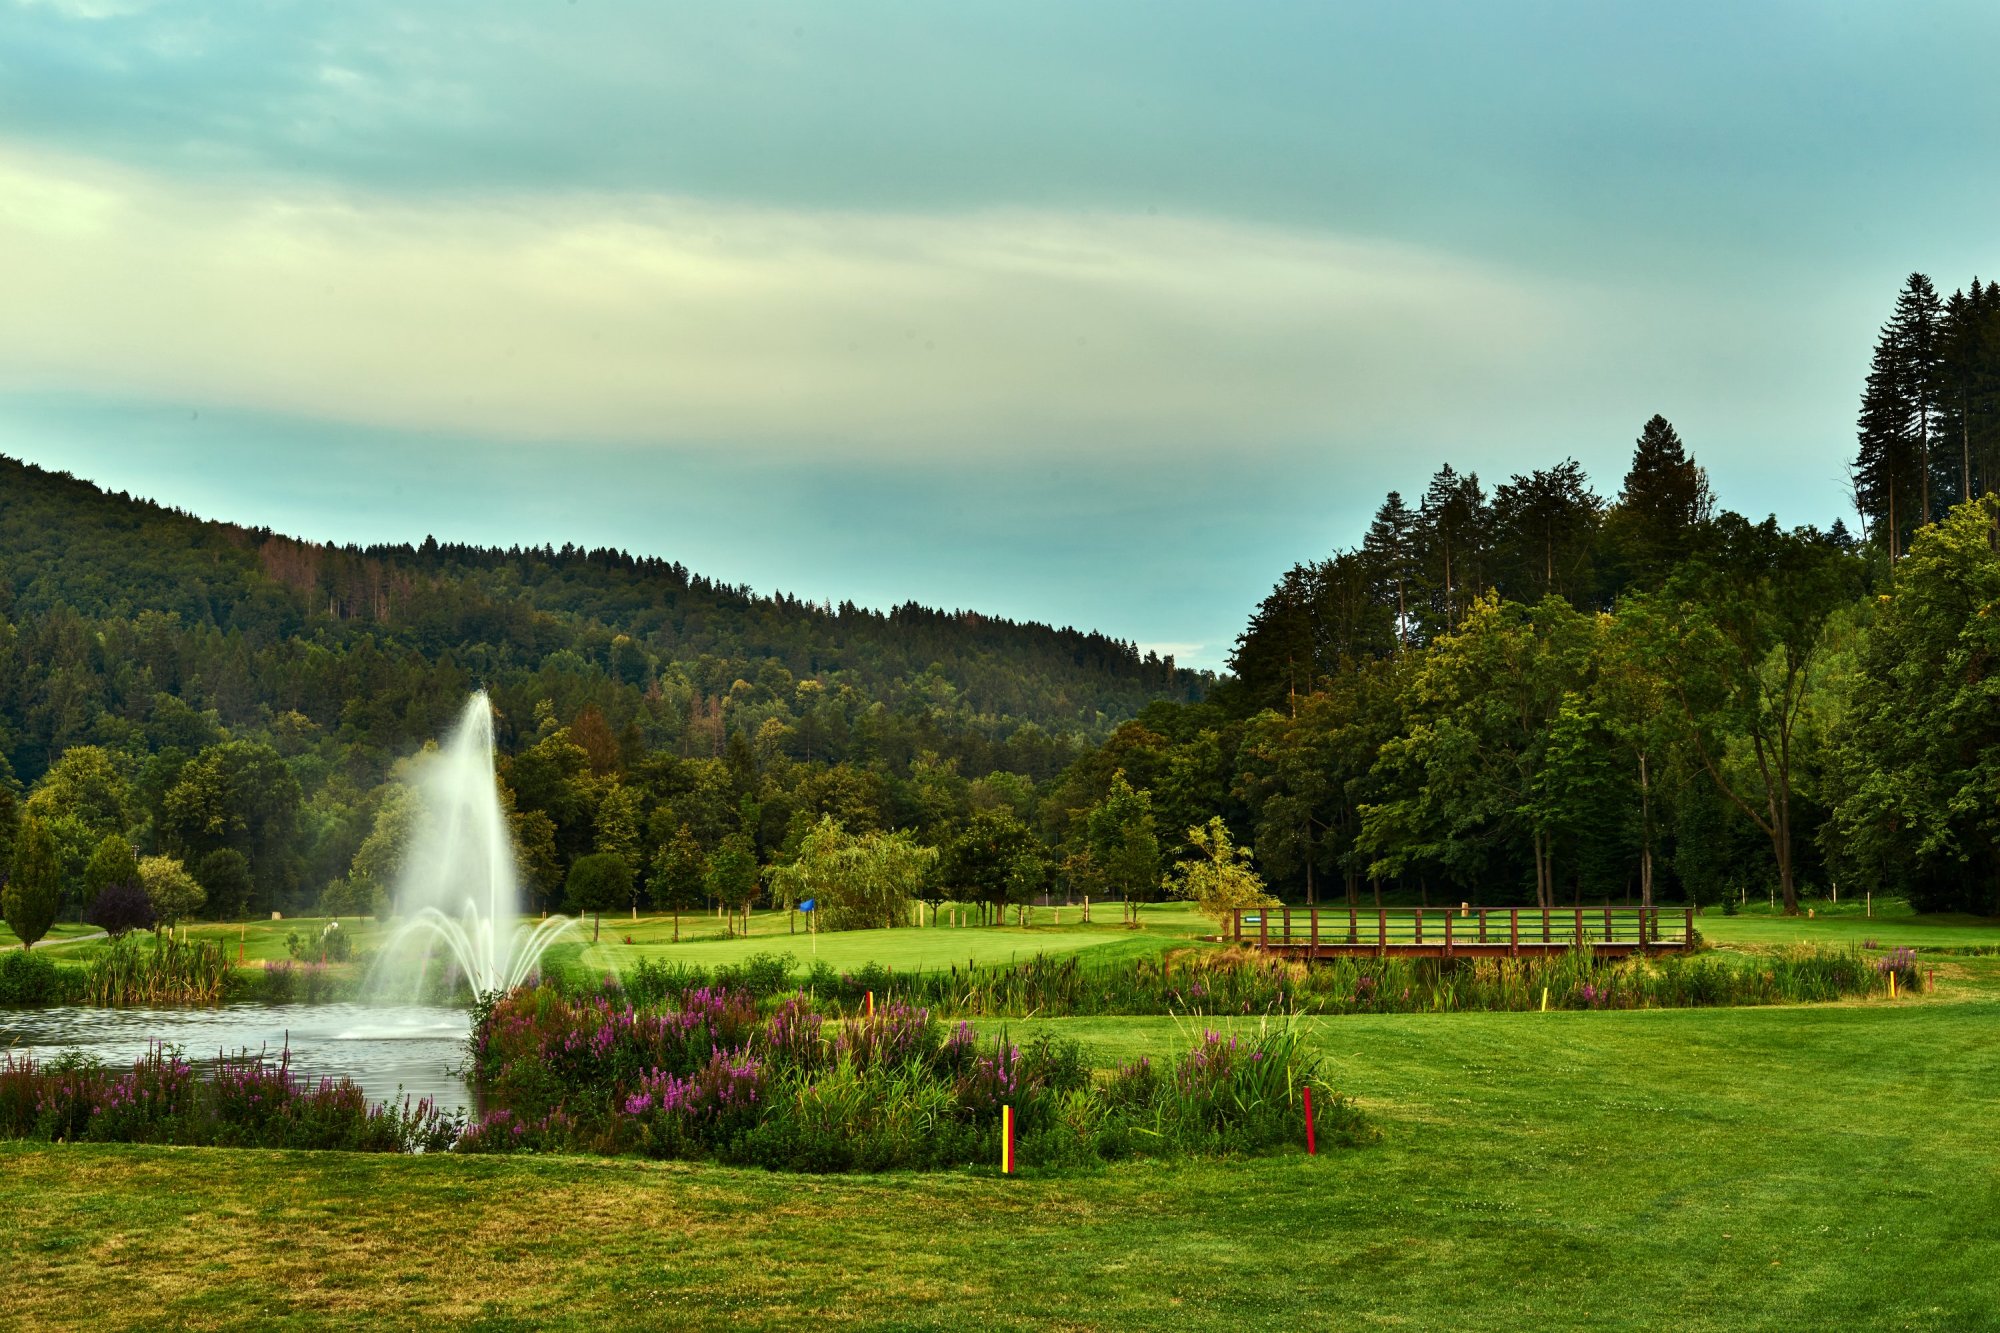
458	885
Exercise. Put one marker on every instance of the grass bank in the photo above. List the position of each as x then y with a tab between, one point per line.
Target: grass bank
1824	1166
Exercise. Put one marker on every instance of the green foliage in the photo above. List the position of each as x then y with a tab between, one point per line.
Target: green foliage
680	875
710	1078
1921	749
34	981
112	863
33	890
167	971
859	880
224	877
731	876
598	883
244	1102
1218	879
1121	848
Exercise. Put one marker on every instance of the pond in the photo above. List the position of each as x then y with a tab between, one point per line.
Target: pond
419	1049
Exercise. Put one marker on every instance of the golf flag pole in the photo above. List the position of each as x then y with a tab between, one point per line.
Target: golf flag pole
1006	1140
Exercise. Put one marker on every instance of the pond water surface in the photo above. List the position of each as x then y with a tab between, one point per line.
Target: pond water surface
419	1049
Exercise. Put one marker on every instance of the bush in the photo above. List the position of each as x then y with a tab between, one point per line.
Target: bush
32	980
119	907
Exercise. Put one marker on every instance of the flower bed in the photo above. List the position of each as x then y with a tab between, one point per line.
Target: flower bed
711	1078
243	1102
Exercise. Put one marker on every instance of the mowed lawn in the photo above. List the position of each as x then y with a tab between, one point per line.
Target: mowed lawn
1846	925
1054	932
1780	1168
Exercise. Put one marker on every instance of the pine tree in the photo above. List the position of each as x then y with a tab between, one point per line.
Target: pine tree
1451	545
1391	548
1665	502
1899	417
1543	525
1968	409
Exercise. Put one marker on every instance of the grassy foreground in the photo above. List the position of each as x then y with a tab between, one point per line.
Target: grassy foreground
1774	1168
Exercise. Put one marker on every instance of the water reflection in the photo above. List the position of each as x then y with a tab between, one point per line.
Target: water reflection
419	1048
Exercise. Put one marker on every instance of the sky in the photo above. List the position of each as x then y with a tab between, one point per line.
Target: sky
1091	314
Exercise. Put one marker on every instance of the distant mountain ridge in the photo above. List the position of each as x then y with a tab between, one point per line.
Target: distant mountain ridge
651	644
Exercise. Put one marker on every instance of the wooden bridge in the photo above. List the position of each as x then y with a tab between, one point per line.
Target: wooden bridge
1463	932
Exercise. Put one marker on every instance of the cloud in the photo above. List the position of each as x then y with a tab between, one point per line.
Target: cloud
640	317
89	10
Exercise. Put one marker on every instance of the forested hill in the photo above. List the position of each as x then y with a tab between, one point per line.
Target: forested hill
116	613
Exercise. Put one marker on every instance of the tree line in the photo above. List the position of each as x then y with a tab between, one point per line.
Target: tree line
1532	693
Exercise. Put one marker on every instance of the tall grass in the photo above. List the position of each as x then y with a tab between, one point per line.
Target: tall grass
168	972
244	1101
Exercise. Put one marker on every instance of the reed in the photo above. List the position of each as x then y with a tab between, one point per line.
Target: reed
168	972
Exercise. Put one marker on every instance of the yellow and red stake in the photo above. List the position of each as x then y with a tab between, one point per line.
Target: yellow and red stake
1006	1140
1312	1148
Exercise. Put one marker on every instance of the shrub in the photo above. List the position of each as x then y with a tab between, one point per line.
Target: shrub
33	980
119	907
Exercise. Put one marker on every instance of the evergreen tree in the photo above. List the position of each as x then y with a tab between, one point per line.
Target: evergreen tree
1968	432
1665	503
1391	549
1452	534
34	889
1544	524
1899	418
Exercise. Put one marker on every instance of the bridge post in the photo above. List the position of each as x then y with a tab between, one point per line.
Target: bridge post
1288	925
1263	927
1576	938
1419	920
1687	931
1607	923
1313	953
1545	922
1482	925
1447	934
1513	932
1236	925
1382	931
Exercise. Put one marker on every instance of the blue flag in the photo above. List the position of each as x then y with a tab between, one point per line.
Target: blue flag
807	905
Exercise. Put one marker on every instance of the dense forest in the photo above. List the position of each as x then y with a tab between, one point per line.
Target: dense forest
1533	693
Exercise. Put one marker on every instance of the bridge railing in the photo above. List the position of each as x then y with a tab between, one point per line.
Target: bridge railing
1449	928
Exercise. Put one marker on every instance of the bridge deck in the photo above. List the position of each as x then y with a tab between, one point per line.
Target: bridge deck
1463	932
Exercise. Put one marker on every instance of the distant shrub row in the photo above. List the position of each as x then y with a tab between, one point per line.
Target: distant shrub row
1240	981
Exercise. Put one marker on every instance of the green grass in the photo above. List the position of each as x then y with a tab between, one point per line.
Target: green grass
61	931
1825	1166
1894	925
905	950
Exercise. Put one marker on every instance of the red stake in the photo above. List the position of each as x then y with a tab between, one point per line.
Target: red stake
1312	1148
